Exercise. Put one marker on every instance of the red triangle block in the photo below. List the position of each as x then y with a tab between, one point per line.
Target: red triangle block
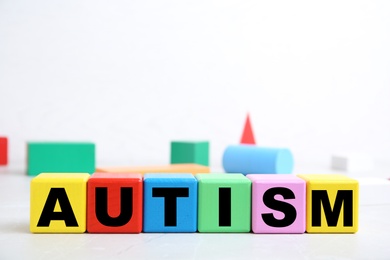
247	136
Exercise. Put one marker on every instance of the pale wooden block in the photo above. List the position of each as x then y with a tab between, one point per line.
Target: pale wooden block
374	191
352	162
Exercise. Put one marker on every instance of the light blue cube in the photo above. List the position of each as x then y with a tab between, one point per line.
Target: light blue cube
170	202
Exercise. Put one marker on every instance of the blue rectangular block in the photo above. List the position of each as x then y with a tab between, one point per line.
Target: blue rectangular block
170	202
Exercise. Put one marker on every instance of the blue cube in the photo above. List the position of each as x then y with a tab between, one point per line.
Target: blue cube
170	202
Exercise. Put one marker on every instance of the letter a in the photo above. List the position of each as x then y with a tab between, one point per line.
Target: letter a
66	214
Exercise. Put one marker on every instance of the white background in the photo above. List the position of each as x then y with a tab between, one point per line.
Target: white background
133	75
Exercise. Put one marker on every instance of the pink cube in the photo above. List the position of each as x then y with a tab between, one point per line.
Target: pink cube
278	203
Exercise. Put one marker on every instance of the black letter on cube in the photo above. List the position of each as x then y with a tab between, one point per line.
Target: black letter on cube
290	213
225	207
332	216
101	207
66	214
170	195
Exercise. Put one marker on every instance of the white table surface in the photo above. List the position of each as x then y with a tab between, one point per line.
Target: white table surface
372	241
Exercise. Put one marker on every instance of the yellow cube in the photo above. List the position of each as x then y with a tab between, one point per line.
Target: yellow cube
58	203
331	203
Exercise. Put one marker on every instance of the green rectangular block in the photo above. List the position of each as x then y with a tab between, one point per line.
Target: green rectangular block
224	203
60	157
190	152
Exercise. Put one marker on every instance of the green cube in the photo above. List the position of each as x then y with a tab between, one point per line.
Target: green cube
190	152
60	157
224	203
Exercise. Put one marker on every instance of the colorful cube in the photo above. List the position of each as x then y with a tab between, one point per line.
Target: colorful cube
278	203
60	157
224	203
170	203
114	203
331	204
58	203
3	150
190	152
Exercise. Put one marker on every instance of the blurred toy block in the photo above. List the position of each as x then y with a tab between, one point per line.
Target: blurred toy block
170	203
58	203
224	203
248	159
60	157
278	203
332	203
3	150
374	191
114	203
352	162
173	168
190	152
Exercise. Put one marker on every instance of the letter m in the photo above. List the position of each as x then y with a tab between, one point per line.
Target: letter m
343	197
